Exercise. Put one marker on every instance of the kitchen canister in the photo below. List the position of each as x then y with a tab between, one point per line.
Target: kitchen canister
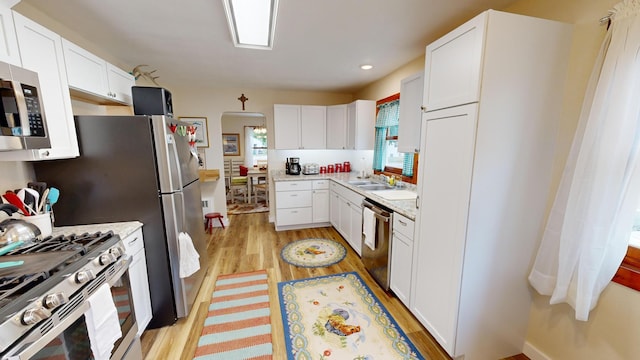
330	169
42	221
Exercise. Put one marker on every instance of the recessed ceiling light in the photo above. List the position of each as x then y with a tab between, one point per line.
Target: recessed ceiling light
252	23
366	67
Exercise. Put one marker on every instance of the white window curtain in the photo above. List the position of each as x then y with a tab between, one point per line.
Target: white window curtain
248	146
588	229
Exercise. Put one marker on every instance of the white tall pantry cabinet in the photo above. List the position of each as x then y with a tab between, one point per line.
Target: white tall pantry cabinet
492	92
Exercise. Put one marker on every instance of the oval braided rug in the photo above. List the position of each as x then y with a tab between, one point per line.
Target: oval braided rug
313	252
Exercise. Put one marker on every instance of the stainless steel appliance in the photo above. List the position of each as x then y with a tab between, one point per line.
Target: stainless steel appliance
375	249
294	166
310	169
137	168
43	300
22	121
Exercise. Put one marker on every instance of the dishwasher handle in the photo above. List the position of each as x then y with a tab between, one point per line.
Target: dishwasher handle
378	212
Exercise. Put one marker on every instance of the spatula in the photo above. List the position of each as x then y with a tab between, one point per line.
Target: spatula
13	199
52	197
30	199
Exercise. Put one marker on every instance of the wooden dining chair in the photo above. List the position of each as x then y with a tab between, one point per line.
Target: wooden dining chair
238	181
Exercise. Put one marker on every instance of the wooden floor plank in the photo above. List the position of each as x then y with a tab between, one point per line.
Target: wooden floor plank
250	243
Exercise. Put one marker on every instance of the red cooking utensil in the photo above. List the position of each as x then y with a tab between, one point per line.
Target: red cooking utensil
13	199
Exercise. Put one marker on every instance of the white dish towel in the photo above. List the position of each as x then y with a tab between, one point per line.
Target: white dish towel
189	257
369	228
102	323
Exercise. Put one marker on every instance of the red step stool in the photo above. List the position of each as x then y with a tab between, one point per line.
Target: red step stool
210	217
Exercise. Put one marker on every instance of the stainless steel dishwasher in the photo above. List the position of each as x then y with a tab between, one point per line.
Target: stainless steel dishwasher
376	237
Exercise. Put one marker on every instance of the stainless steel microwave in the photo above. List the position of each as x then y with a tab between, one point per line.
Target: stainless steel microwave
22	120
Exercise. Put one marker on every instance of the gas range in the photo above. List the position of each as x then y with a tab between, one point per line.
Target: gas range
57	274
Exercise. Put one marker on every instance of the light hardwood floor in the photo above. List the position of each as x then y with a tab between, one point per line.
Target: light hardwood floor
251	243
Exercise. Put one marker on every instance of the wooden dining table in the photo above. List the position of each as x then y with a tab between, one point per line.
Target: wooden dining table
254	173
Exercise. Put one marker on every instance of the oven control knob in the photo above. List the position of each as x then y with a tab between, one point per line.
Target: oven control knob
54	300
83	276
116	251
106	259
34	316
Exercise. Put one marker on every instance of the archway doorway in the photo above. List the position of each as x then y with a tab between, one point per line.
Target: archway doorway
244	142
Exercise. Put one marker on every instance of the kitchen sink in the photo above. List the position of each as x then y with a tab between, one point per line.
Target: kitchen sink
360	182
374	187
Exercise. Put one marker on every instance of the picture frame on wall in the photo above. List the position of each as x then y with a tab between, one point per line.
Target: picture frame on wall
202	130
230	144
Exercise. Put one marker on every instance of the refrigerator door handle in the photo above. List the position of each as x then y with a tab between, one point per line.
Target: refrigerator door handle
171	141
184	214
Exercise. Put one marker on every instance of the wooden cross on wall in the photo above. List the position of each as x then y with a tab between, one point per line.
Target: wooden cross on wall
243	99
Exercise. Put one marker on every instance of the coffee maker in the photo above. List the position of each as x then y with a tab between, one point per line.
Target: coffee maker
294	166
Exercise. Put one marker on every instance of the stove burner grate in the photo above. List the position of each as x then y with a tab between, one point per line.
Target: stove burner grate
42	259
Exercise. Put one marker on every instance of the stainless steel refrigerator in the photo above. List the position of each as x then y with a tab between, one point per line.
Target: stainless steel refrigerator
137	168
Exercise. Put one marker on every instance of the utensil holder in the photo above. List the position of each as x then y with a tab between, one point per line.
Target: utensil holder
42	221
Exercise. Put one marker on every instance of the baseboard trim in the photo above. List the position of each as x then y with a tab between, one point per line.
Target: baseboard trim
534	353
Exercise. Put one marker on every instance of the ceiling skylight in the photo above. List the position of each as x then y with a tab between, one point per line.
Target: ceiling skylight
252	22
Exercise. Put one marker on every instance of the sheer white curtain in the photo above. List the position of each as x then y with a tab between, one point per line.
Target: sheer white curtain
589	225
248	146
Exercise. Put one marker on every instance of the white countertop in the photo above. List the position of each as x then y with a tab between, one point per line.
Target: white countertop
122	229
403	207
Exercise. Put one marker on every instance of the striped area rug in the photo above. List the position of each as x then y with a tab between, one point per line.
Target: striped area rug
238	324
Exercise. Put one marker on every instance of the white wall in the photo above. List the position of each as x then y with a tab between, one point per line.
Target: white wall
612	331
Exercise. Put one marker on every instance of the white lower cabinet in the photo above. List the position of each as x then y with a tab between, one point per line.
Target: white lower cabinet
355	226
301	204
346	214
320	201
401	257
139	280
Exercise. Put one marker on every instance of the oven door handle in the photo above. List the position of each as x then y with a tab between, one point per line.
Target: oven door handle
39	344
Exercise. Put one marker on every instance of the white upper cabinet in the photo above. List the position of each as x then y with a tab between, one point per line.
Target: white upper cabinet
337	127
41	51
361	120
452	66
85	71
286	121
410	113
92	76
8	41
120	83
299	126
313	127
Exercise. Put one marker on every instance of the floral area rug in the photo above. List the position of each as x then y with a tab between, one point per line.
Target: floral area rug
337	317
313	252
244	208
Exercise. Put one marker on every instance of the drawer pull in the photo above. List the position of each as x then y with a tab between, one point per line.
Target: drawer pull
293	195
133	241
294	212
402	223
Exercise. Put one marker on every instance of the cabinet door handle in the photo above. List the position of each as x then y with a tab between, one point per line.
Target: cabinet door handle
418	202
